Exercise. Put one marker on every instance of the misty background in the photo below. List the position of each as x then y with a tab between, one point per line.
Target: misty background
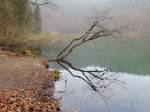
72	16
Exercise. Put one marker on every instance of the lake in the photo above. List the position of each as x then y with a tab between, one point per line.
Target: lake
128	59
132	96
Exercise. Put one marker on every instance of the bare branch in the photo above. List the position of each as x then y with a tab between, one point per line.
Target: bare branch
94	78
36	2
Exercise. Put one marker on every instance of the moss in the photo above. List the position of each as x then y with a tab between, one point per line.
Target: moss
57	74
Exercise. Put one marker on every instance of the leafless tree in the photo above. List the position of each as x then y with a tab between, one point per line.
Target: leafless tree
41	3
36	4
94	78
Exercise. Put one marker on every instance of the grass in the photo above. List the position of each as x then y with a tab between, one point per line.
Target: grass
30	45
57	74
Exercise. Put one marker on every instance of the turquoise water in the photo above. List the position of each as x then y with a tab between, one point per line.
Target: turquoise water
120	55
128	59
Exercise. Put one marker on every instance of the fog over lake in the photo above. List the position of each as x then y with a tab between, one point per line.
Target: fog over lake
127	58
72	16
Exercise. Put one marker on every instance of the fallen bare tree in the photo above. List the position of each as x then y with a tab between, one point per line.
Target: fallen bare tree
94	78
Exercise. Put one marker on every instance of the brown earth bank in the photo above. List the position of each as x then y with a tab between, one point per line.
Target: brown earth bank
25	86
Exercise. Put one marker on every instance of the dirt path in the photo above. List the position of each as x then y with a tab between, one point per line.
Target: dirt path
25	73
19	71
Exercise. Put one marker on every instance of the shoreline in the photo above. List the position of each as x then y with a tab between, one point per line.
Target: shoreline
25	85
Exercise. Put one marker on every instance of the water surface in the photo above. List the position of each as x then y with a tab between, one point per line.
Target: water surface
131	96
128	59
